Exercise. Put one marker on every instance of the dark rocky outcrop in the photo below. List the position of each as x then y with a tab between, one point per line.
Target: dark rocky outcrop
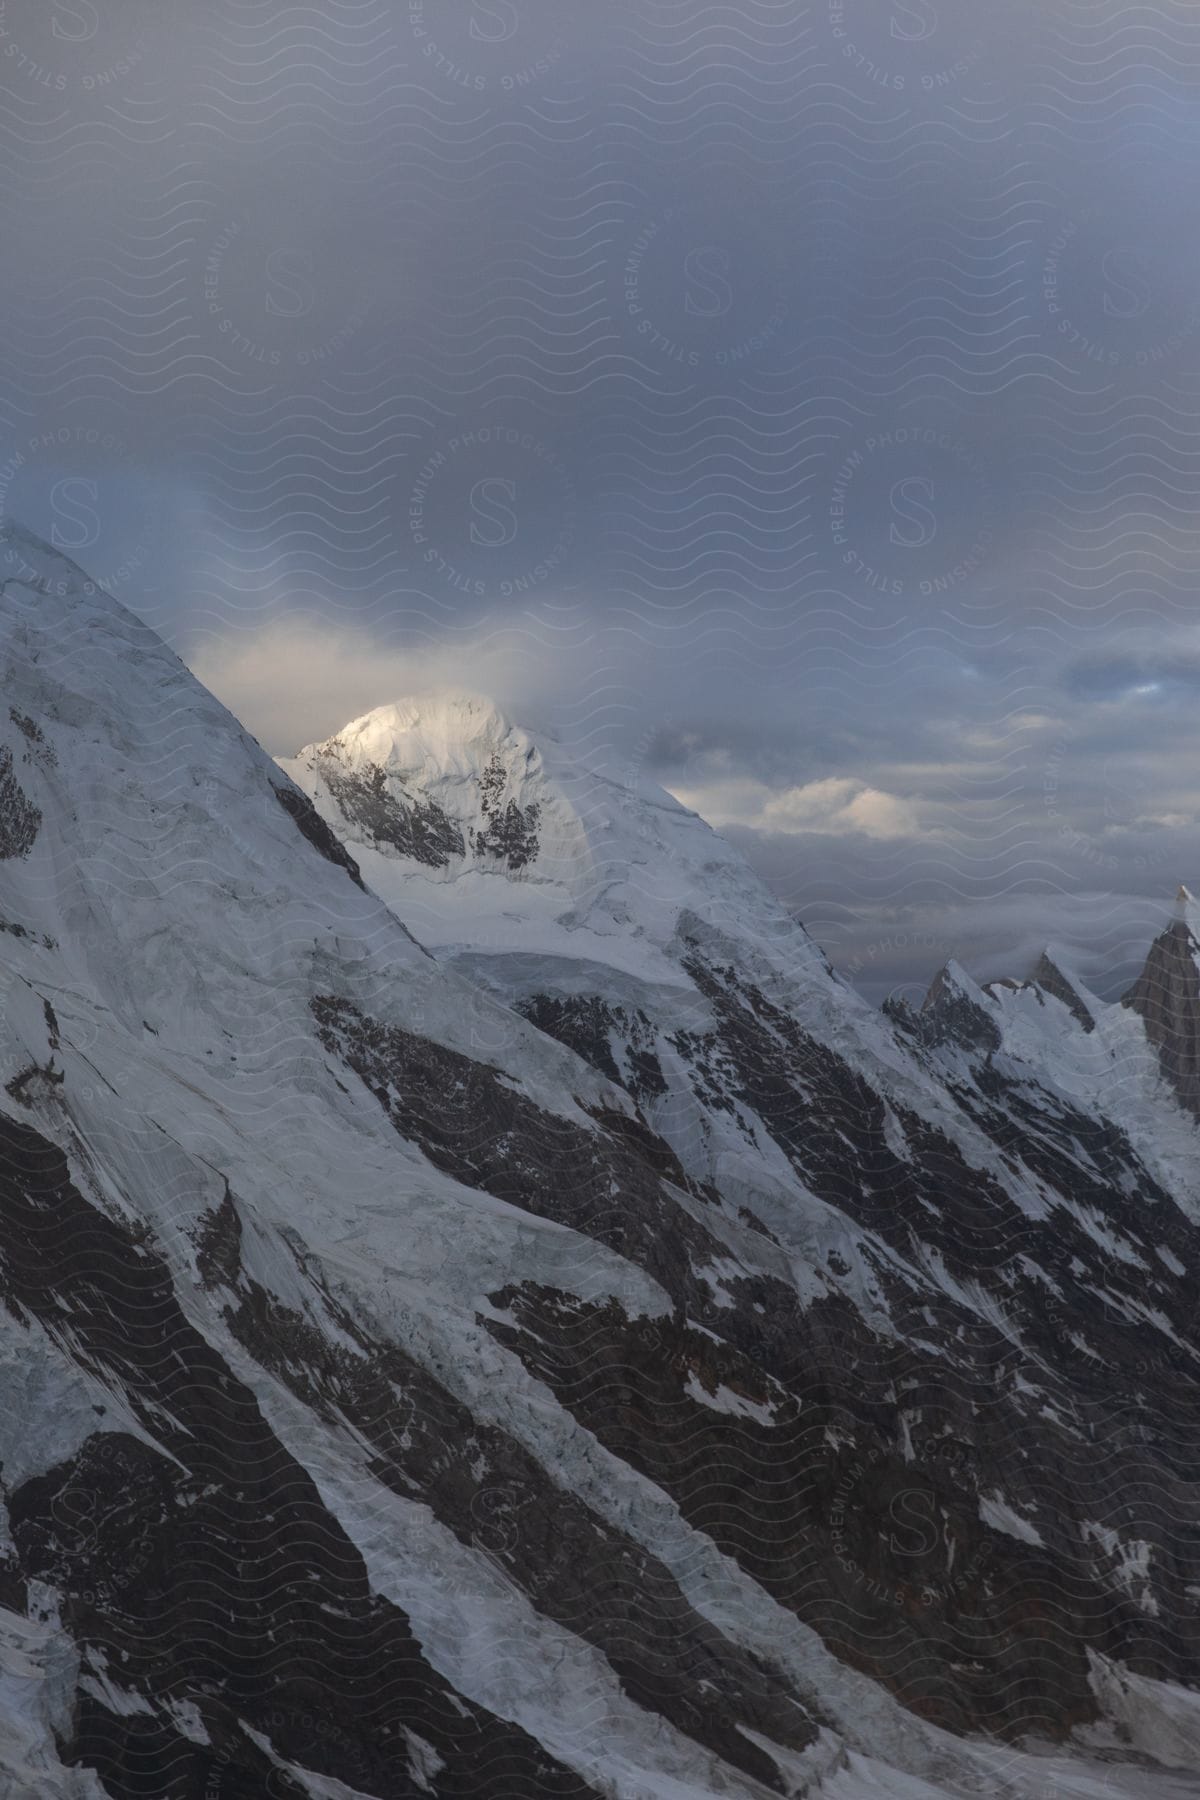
809	1492
843	1471
369	800
611	1184
19	817
493	1495
211	1572
600	1033
1050	979
511	831
308	821
949	1015
1166	996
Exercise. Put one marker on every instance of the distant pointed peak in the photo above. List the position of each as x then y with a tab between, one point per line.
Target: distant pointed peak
1184	922
1054	976
1166	995
1062	958
956	1010
952	978
1055	966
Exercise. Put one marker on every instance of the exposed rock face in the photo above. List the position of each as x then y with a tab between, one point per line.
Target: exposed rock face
1166	996
952	1013
599	1033
443	783
308	821
492	1494
620	1364
369	800
510	832
207	1565
1050	978
19	818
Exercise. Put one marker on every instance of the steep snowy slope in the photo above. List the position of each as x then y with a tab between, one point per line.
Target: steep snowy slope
261	1458
989	1269
402	1398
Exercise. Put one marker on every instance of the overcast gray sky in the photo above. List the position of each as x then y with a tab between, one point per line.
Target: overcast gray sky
797	403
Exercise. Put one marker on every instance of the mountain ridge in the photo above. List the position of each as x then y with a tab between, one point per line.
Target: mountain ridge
629	1366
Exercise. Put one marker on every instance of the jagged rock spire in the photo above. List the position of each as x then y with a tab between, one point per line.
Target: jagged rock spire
955	1011
1166	995
1049	977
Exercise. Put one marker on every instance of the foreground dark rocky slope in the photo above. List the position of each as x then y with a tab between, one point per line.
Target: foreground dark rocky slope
637	1369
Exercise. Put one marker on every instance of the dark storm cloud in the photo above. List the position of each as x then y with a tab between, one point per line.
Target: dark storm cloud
794	407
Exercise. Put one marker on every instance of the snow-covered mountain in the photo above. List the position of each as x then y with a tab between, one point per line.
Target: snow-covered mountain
485	1310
